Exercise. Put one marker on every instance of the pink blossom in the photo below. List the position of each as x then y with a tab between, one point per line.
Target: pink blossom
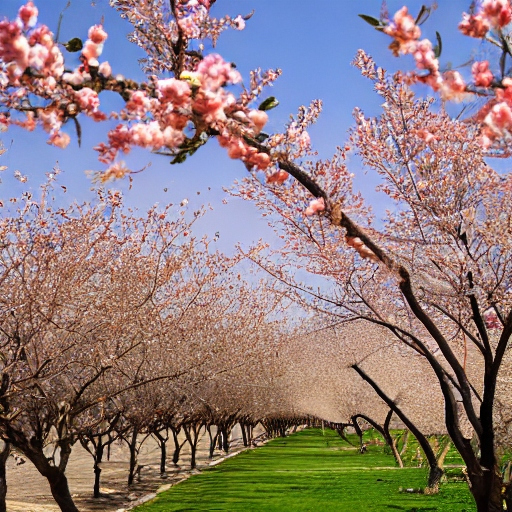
174	91
424	56
304	141
216	73
189	26
177	121
425	135
147	135
55	62
173	138
499	119
497	12
92	50
14	47
403	29
74	78
97	35
28	14
481	74
278	177
211	105
37	56
41	35
59	139
259	160
139	103
51	120
237	149
87	99
259	119
315	206
104	69
474	25
453	86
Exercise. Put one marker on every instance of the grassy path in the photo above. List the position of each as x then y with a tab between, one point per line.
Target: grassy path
309	471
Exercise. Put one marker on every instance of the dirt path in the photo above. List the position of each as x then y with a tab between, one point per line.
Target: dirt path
28	491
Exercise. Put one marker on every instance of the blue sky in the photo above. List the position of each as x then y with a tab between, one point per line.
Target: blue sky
313	42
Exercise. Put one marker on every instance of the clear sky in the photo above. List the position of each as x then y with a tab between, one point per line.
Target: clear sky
313	42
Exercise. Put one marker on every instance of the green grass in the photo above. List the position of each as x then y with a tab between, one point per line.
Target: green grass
310	471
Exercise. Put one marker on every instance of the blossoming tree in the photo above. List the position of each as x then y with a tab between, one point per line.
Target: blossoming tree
441	261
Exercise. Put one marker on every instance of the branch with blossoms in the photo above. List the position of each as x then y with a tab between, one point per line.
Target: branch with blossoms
174	115
489	21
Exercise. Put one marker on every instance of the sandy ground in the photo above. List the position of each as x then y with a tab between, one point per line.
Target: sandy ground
28	491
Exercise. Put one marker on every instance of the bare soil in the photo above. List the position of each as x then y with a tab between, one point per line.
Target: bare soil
28	491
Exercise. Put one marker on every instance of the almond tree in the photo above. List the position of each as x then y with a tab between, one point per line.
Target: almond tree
86	292
440	261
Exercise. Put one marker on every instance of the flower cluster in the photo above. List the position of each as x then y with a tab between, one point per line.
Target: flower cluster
403	30
199	97
191	15
169	114
497	116
93	47
365	253
22	46
491	14
406	40
482	76
315	206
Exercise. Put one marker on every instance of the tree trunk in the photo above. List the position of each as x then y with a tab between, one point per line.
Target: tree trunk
192	435
4	455
56	478
486	490
177	445
132	445
404	442
97	468
162	442
213	440
244	435
225	440
435	472
443	454
359	433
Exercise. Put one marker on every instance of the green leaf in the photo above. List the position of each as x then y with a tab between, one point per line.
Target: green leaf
438	48
73	45
268	104
179	158
262	136
423	15
374	22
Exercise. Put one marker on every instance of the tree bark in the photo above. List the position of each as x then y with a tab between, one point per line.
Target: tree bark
384	432
244	435
213	440
162	442
486	490
192	435
56	478
132	445
435	472
4	455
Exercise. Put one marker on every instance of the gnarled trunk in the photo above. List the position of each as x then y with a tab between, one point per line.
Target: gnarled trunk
56	478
